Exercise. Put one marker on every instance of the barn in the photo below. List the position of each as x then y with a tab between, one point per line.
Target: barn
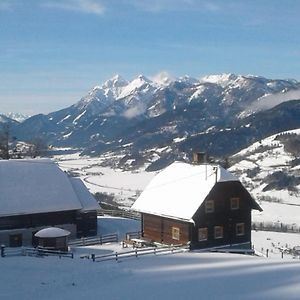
202	205
35	194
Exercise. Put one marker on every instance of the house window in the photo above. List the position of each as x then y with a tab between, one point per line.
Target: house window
209	206
202	234
234	203
175	233
240	229
218	232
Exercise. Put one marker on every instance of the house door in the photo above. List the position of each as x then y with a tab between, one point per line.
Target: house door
15	240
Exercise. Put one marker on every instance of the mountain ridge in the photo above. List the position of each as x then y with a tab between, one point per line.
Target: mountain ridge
148	114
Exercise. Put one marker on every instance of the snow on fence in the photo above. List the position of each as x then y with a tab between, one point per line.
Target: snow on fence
275	226
120	213
140	252
22	251
102	239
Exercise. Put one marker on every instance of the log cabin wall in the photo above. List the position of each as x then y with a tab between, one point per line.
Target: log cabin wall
164	230
224	216
86	223
37	220
24	226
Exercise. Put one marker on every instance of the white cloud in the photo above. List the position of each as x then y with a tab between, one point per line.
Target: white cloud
162	77
134	111
83	6
169	5
270	101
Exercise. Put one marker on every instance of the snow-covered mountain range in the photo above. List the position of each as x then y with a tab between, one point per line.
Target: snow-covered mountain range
161	119
12	118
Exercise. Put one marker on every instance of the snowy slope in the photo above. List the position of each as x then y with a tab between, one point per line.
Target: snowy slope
272	175
168	277
261	160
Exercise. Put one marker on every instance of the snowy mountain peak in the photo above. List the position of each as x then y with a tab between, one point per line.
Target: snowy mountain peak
17	116
188	80
143	78
221	79
141	82
115	82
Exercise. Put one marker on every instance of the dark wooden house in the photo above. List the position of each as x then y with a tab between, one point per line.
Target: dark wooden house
202	205
35	194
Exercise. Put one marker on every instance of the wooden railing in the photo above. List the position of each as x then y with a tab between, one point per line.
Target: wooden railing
140	252
120	213
22	251
102	239
277	227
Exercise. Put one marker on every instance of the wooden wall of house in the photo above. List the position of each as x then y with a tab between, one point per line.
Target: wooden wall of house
224	216
159	229
86	223
82	224
38	220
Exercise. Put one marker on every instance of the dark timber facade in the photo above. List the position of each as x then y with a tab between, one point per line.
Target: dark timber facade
223	219
19	230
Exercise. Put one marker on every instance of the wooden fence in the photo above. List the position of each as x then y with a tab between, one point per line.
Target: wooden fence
277	227
120	213
22	251
140	252
102	239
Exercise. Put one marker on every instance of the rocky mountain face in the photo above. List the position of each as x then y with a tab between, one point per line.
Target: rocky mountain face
145	122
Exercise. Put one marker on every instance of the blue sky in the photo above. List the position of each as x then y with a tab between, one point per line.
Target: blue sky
53	51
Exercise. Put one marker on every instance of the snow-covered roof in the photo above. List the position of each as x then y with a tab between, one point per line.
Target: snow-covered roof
52	232
178	191
86	199
38	186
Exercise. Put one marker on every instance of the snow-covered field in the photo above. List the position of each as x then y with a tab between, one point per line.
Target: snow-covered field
172	276
126	185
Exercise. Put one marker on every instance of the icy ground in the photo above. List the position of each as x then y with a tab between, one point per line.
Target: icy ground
174	276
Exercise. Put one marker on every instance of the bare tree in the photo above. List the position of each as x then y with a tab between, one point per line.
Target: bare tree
4	142
38	147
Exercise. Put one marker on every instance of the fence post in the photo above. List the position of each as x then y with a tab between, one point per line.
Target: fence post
136	253
2	250
116	256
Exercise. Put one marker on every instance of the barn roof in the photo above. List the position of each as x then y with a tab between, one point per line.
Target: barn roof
39	186
178	191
